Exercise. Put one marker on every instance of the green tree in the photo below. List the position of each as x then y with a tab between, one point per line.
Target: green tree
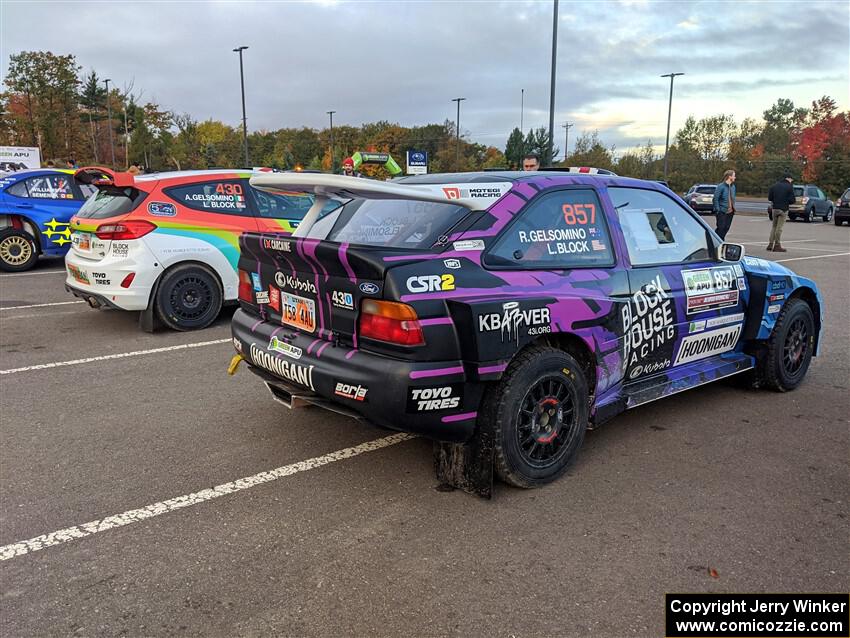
515	149
48	85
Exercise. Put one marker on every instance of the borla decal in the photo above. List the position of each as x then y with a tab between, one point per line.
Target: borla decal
708	344
710	288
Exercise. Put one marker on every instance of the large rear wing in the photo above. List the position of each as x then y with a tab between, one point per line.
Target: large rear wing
100	176
474	196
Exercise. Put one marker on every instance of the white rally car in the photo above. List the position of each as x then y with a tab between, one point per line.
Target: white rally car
167	244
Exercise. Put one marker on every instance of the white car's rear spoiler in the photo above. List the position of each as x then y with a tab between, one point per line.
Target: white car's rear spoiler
474	196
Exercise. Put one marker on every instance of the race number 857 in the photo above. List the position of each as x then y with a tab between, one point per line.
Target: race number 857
578	214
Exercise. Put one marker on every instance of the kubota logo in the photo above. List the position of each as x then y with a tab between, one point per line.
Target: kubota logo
452	192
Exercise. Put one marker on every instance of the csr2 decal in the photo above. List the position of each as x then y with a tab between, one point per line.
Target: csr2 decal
513	312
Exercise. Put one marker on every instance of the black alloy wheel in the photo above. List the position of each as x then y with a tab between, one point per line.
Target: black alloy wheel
189	298
546	422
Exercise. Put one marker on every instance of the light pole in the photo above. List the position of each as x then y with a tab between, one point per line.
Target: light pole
669	112
549	152
239	50
109	120
457	132
567	126
333	162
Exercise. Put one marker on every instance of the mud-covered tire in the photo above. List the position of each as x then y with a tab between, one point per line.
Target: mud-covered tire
18	250
543	387
789	350
189	297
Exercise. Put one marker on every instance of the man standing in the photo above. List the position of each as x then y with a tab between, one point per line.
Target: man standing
531	162
724	203
348	168
781	195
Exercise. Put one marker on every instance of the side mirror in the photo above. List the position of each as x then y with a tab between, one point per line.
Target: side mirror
731	252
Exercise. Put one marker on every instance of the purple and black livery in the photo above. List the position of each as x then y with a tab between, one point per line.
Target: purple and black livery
619	274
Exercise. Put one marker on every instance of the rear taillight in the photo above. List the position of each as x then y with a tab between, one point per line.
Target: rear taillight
390	322
805	200
125	283
131	229
246	288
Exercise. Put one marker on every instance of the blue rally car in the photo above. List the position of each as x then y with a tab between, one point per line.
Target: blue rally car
35	209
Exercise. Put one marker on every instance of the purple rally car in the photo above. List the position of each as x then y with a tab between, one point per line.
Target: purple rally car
503	314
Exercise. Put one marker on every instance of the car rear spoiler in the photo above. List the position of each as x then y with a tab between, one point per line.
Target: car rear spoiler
100	176
474	196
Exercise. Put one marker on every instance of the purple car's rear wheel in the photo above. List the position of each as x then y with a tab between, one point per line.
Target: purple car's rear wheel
539	411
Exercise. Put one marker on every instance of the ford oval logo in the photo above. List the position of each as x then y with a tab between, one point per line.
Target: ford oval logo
368	288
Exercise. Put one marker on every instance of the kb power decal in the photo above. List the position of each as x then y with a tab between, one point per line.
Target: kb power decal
707	344
512	319
710	288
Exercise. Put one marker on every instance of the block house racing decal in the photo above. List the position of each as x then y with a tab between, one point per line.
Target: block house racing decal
649	330
710	288
302	375
707	344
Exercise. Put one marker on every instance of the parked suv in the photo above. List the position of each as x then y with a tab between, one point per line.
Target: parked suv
167	244
810	203
842	213
700	197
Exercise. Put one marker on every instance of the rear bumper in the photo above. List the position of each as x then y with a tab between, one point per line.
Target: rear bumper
101	280
702	208
435	399
842	213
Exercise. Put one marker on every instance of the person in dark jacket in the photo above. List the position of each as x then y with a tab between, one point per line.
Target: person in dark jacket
724	203
781	195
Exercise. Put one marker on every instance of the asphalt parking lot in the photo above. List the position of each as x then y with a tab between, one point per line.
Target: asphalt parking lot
322	525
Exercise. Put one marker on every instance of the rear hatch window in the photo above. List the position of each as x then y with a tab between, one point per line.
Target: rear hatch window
107	203
389	223
110	202
798	191
706	190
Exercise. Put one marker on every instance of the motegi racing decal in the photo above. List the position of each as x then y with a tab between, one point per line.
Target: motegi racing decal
444	397
706	344
649	329
710	288
302	375
513	318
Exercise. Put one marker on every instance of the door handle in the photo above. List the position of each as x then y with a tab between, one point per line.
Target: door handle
24	206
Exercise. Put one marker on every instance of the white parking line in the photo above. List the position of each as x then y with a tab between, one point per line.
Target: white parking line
164	507
782	261
27	274
42	305
793	241
106	357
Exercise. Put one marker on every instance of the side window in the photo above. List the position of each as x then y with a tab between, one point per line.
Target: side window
18	190
563	229
226	196
820	194
290	206
657	229
50	187
811	192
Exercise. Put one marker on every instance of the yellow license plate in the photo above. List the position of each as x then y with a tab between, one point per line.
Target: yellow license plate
298	312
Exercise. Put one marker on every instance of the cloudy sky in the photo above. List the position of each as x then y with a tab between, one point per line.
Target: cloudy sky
404	61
